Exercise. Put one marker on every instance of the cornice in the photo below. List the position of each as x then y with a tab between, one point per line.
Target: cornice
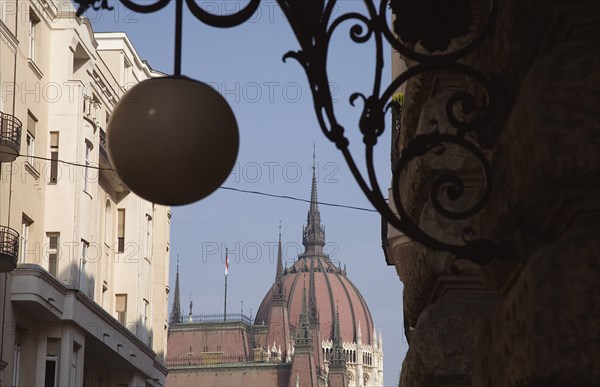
8	38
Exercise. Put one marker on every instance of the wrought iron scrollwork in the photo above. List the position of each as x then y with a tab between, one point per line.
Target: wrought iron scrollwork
223	21
95	4
314	25
312	56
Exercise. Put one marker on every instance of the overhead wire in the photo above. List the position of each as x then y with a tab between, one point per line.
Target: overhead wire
61	161
297	199
246	191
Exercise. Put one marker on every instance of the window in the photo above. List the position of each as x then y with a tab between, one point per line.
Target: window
126	72
16	363
53	251
51	377
148	241
146	306
86	169
146	310
30	139
73	374
51	374
121	231
107	223
105	265
33	31
25	225
53	158
1	88
82	274
121	307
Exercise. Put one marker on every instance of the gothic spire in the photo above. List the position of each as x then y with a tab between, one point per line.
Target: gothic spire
176	312
337	352
374	339
313	234
279	290
313	311
313	189
304	336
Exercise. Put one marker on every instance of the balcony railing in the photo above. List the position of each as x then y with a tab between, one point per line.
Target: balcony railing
90	108
10	137
206	359
220	317
9	249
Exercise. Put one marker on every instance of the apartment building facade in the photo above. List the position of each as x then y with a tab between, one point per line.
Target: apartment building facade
87	301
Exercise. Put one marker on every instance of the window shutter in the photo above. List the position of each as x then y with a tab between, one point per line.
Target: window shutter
54	139
31	124
121	226
121	302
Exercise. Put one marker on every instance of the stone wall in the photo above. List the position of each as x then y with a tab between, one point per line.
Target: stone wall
532	319
230	375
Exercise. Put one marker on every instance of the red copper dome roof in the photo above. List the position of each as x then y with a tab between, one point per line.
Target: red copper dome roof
331	286
332	289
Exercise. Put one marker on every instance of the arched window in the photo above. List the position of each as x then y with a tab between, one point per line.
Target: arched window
108	223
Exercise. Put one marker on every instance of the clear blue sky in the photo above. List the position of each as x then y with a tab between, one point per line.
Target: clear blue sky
278	126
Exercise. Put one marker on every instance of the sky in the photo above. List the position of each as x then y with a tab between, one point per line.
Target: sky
278	127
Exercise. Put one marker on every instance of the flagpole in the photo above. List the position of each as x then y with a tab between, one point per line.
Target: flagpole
226	271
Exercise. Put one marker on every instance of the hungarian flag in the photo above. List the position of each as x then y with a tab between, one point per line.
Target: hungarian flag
226	263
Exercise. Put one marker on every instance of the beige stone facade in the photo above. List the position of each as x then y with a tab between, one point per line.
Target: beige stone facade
531	319
87	303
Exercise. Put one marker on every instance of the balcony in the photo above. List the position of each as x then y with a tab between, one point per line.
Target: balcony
90	109
56	304
9	249
10	137
207	359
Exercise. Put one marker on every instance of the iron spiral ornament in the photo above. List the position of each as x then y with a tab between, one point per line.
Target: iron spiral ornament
313	24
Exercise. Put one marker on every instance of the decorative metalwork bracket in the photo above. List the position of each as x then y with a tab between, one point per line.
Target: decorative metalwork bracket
313	25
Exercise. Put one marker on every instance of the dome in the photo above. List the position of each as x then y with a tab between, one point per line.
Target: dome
332	289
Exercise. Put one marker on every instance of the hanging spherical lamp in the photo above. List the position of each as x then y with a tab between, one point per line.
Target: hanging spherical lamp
172	140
